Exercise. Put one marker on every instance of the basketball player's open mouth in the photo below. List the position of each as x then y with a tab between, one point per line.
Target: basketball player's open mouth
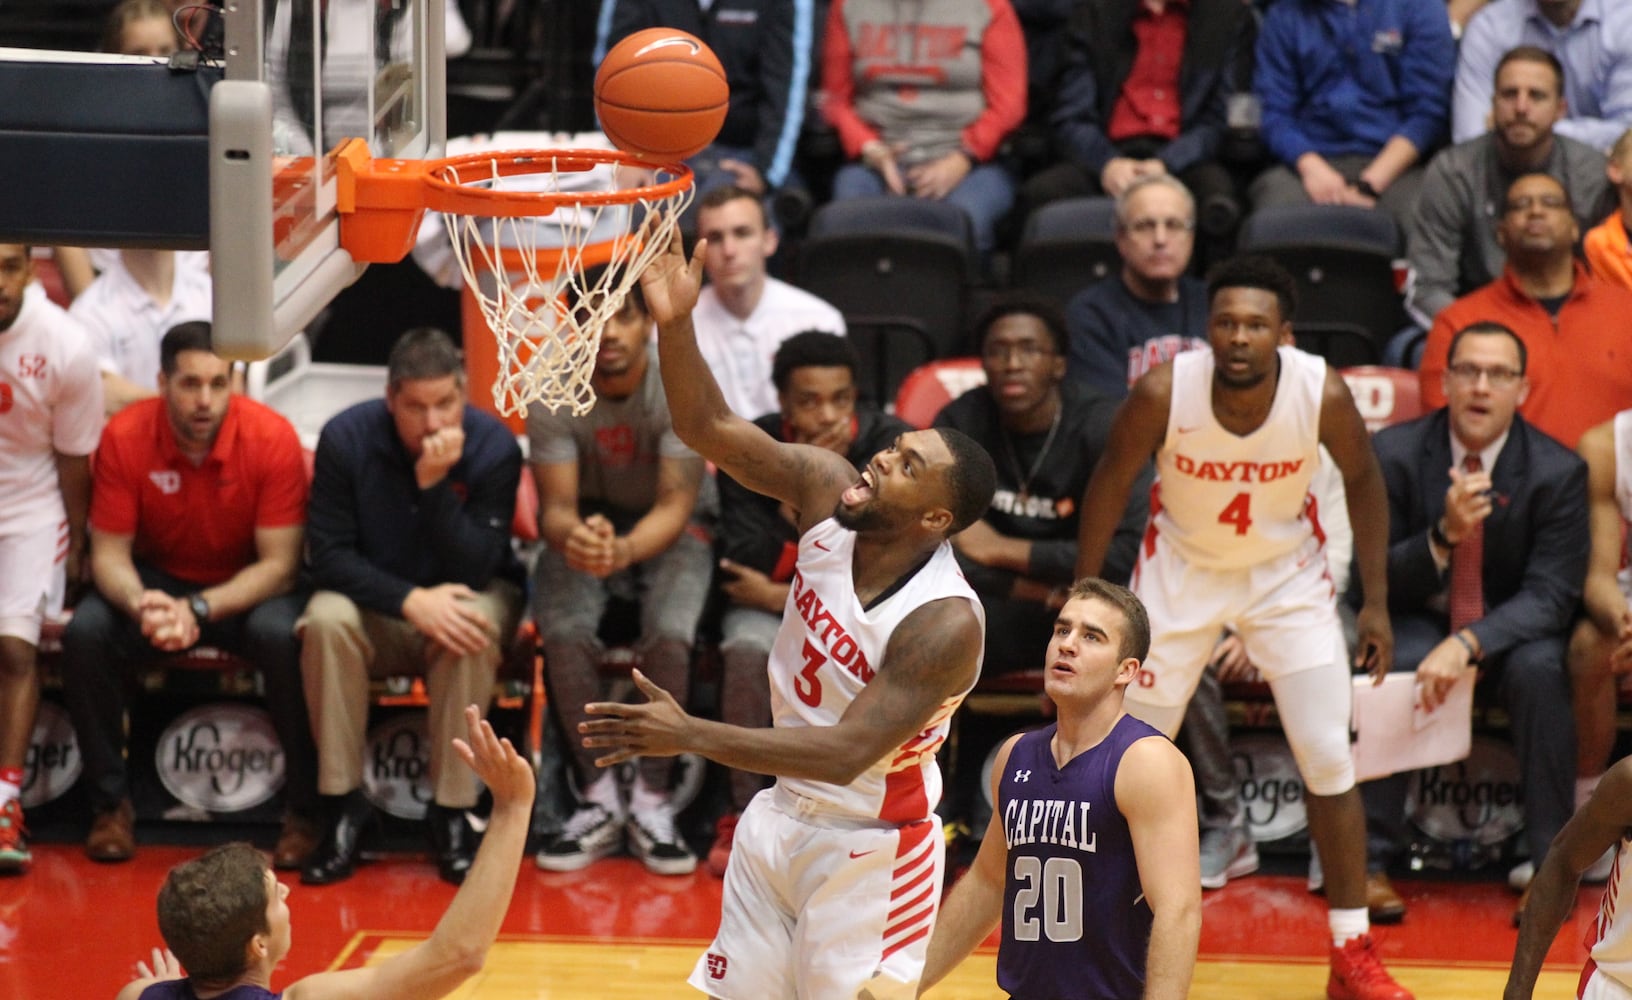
862	491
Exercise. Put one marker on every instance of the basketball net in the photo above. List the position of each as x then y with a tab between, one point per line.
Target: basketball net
528	272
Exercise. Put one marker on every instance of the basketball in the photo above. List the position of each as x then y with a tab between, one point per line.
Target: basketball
661	94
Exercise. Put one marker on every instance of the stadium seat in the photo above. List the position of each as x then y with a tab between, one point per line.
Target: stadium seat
1384	396
929	387
1065	246
899	269
1343	259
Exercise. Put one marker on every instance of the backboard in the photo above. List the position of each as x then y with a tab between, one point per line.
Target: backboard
301	77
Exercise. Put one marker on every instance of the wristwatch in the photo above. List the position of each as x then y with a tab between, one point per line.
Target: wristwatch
199	607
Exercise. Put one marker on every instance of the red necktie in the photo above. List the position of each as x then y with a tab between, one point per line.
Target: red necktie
1467	598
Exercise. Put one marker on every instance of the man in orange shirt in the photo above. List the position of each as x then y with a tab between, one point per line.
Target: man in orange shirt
1572	323
198	506
1608	246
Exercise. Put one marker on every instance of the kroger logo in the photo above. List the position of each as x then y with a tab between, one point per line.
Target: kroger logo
220	758
1271	788
53	762
1477	799
397	768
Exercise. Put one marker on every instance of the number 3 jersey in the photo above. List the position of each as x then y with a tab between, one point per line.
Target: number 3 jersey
828	649
1229	501
1076	925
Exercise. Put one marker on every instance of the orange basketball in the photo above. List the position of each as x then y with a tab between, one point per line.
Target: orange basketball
661	94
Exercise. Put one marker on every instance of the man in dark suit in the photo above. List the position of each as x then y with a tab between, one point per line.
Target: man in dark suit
1144	90
1474	481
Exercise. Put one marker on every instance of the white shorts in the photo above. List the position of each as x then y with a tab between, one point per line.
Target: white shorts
822	906
32	579
1600	985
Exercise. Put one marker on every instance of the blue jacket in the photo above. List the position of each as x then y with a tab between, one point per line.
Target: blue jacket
1336	79
766	47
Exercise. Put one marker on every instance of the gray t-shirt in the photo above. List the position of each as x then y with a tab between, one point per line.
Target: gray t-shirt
617	446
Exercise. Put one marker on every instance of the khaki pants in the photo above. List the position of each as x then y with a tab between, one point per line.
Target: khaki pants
344	646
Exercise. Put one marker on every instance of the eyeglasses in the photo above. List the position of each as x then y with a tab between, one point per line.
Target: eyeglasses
1524	203
1145	227
1500	378
1028	351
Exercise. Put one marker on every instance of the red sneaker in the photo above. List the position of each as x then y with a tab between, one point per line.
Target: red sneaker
14	856
725	831
1358	974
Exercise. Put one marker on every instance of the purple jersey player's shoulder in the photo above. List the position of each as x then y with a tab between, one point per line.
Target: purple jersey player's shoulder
1075	921
182	989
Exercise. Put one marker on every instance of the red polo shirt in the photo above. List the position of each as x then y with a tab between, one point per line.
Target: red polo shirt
197	522
1149	103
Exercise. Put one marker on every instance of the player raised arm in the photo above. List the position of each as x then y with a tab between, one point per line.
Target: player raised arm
1595	827
808	478
932	656
1136	433
1343	432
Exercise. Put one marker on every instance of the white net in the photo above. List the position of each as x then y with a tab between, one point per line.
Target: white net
536	279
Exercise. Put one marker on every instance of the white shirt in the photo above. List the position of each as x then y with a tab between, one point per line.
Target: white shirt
126	325
739	351
50	401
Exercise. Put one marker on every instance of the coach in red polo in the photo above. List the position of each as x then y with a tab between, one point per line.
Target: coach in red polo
198	505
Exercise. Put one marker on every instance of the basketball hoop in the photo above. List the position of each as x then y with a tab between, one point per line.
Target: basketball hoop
525	226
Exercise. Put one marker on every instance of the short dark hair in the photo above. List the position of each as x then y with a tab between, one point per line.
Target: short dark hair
812	349
1022	304
1255	271
1487	327
1563	189
210	908
1535	54
726	193
598	277
972	479
424	352
1136	622
190	336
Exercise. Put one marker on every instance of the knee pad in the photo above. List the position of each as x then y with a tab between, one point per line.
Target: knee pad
1325	773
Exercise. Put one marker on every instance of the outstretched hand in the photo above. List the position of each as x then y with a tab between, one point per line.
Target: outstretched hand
658	728
506	773
671	283
165	966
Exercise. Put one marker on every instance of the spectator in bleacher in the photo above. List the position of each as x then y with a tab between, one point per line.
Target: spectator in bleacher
197	512
412	501
619	514
1144	91
1044	433
52	399
922	97
766	48
743	314
1355	97
815	378
1451	240
1474	475
140	28
1591	38
1128	323
1572	323
127	309
1607	246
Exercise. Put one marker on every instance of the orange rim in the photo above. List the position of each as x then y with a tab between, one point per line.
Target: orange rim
448	192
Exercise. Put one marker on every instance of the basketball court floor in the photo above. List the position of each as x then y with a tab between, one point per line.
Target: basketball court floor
73	929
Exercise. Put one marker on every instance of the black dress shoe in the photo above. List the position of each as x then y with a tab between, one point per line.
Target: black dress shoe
336	857
453	842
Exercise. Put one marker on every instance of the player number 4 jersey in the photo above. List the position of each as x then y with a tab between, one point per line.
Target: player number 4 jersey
828	649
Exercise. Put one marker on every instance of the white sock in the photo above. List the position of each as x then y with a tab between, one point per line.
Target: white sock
603	791
1584	788
643	799
1347	925
8	791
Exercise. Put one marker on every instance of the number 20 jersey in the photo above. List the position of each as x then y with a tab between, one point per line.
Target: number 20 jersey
829	647
1076	925
1229	501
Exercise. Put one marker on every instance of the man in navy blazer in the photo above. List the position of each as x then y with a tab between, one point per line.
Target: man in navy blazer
1531	499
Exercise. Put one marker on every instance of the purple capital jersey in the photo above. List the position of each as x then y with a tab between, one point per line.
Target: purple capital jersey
182	989
1076	925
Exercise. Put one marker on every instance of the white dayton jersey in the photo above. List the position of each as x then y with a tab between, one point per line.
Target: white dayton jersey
1609	943
50	401
1623	491
828	649
1230	501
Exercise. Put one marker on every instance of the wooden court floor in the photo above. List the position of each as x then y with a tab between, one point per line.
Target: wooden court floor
72	929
